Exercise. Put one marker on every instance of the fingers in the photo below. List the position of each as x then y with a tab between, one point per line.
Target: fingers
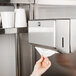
40	60
46	63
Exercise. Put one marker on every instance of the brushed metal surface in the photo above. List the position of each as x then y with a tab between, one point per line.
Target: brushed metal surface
42	32
62	32
73	35
7	55
27	56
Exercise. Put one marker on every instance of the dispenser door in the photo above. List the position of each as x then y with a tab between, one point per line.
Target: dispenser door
63	36
42	32
73	35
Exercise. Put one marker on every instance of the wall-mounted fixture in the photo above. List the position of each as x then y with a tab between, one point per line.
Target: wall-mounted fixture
42	32
56	33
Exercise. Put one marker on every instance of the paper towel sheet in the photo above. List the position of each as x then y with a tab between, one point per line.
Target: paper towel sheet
20	18
45	52
7	19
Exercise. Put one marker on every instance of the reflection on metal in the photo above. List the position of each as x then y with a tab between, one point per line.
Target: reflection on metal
17	43
17	32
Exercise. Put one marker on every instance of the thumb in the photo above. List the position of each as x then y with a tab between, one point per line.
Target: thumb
41	59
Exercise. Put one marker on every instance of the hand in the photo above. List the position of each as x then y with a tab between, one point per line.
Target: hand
41	66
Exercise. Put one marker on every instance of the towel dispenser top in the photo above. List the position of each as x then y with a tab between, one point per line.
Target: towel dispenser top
42	32
58	33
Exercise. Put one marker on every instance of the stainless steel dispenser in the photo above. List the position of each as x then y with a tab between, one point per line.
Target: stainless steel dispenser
63	35
56	33
73	35
42	32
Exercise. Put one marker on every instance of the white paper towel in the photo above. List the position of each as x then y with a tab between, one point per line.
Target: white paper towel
20	18
7	19
45	52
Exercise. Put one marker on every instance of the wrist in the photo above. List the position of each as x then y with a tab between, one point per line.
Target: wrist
35	74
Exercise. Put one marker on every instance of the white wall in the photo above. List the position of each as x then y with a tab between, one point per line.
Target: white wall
22	1
6	8
48	12
57	2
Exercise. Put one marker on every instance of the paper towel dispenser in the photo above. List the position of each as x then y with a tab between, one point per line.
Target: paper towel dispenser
42	32
56	33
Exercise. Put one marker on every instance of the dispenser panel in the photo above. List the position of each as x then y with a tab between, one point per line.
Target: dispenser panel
73	35
63	36
42	32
